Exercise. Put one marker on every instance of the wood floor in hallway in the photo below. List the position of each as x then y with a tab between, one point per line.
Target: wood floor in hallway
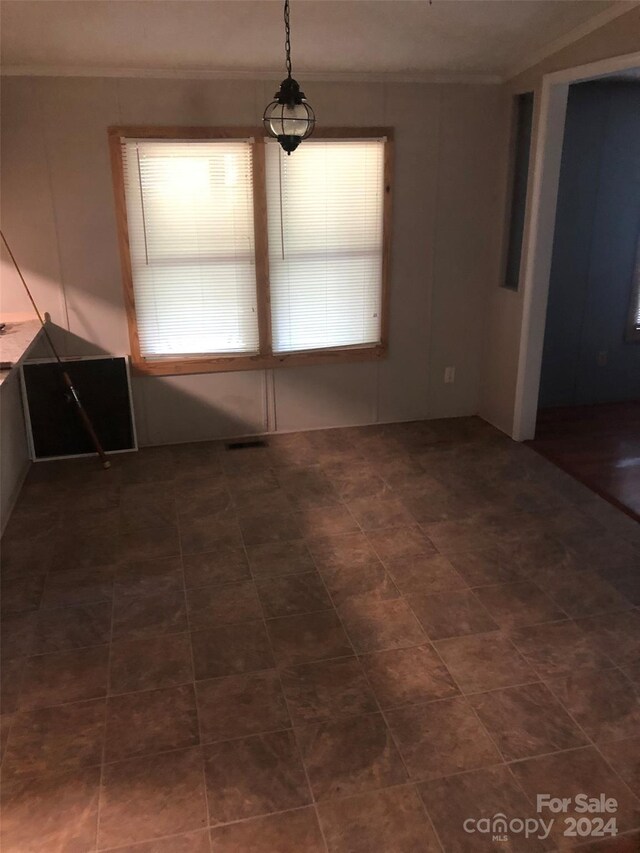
598	445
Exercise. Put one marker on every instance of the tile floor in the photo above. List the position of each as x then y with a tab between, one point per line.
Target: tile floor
351	640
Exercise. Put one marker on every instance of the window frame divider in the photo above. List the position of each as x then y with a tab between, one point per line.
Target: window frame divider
387	211
122	224
261	246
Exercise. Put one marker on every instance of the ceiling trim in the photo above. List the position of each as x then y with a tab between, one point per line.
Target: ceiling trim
592	24
478	78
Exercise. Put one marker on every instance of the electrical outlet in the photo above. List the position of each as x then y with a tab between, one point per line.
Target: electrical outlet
449	375
602	357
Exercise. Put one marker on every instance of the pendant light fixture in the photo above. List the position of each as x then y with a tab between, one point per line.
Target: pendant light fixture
289	118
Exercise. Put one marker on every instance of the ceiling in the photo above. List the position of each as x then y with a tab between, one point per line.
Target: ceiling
415	38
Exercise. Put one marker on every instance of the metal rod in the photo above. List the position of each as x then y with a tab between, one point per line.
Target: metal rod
84	417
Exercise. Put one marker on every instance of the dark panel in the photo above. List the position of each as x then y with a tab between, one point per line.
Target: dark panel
104	392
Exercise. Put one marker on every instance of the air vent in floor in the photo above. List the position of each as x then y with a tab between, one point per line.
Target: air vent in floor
241	445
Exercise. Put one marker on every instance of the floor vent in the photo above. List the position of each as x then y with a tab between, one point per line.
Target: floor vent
241	445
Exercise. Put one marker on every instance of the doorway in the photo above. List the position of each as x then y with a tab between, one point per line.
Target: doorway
579	365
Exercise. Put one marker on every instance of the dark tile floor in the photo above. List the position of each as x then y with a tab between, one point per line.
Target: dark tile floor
351	640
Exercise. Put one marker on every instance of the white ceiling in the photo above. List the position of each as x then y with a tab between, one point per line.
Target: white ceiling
475	37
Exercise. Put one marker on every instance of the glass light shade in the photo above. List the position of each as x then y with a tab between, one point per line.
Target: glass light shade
290	120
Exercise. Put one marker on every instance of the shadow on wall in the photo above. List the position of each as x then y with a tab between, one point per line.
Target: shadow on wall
198	407
209	406
162	396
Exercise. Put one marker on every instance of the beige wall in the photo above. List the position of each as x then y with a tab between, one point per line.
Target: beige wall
504	307
58	214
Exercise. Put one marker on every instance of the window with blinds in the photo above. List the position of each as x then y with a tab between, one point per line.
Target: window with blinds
325	229
236	256
191	245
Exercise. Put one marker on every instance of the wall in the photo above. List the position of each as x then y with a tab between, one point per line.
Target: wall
504	307
597	229
58	214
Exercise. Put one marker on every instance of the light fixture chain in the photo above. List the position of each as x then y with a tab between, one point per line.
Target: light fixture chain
289	118
287	41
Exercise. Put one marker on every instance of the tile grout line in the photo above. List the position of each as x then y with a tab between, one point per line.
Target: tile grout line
205	793
507	763
431	642
408	781
525	657
312	799
106	718
591	742
293	727
504	763
470	705
366	678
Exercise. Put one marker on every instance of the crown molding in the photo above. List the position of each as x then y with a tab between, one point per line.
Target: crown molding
620	7
218	74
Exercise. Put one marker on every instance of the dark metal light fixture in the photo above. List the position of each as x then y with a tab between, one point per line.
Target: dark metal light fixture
289	118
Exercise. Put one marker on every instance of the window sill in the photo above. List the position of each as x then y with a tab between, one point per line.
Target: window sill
227	363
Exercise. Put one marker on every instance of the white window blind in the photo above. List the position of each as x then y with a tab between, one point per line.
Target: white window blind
325	215
190	218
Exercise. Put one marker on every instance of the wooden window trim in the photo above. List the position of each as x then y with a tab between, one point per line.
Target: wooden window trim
265	358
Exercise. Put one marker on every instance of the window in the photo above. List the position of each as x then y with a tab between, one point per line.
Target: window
520	177
325	208
237	256
191	245
633	330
